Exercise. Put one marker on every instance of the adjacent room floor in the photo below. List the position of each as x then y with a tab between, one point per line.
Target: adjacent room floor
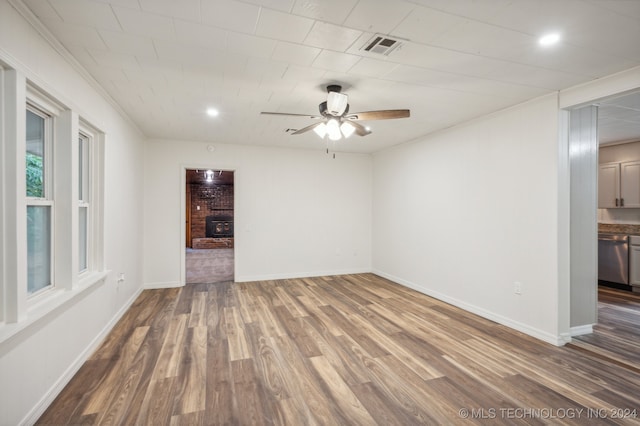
616	337
352	349
208	265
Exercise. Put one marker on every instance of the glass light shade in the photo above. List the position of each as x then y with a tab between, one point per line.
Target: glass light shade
336	103
321	130
347	129
333	130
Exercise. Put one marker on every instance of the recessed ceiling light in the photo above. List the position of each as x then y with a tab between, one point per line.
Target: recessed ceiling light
212	112
549	39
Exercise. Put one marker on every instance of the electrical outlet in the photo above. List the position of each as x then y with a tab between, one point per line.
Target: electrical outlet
517	287
121	277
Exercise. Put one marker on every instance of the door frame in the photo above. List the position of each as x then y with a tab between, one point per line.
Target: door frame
618	84
183	215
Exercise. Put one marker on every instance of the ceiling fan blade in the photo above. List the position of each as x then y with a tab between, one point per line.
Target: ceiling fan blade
306	129
384	114
360	129
291	114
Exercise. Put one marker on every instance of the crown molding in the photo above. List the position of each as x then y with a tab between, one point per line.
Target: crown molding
48	36
622	142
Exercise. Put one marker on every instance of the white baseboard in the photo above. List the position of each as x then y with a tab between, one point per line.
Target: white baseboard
168	284
292	275
37	411
581	330
524	328
566	338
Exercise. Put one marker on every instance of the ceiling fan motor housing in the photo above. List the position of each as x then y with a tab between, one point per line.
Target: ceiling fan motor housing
337	121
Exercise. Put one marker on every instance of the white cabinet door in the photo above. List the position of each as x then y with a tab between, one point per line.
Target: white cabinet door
609	185
634	265
630	184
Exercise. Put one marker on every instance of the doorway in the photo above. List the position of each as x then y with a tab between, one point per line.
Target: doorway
604	320
209	226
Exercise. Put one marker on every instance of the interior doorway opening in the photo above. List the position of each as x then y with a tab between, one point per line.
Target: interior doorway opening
604	146
209	226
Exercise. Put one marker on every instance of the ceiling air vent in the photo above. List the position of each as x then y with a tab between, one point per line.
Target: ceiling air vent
381	45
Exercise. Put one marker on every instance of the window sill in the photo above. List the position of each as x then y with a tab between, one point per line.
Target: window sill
53	301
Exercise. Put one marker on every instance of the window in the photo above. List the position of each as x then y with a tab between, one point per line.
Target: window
39	163
54	223
84	172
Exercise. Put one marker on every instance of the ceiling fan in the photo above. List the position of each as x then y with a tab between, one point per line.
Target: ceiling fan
336	119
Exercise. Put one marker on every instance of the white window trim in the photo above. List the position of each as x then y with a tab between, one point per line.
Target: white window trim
85	139
95	185
18	311
35	105
3	298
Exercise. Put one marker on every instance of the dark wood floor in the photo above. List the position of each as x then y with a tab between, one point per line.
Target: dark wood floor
344	350
617	334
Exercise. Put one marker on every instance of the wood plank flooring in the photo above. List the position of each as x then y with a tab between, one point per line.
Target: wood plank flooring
340	350
617	334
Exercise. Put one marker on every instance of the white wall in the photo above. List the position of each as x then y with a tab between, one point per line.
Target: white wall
297	212
465	213
619	153
36	363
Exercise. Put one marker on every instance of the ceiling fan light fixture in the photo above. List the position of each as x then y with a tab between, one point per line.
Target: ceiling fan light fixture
347	129
337	103
335	120
333	129
321	130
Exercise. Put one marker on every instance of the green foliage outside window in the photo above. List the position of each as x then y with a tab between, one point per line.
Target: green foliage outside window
35	180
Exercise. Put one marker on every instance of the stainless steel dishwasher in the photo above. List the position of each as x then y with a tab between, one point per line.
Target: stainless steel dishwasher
613	258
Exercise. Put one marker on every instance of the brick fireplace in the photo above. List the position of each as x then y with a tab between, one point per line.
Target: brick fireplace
211	214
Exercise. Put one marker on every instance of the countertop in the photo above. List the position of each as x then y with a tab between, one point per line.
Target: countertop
619	228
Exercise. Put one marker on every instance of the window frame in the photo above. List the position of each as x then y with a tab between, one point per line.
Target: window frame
20	310
3	290
94	187
35	106
85	190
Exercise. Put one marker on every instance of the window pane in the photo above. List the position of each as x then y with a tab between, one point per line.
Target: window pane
82	246
35	155
38	247
80	168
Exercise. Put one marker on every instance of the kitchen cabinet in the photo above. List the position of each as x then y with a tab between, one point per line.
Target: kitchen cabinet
619	185
608	185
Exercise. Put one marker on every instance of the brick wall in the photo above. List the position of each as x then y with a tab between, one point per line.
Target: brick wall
213	200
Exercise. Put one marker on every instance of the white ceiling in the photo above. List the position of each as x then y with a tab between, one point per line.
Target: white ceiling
619	119
165	61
